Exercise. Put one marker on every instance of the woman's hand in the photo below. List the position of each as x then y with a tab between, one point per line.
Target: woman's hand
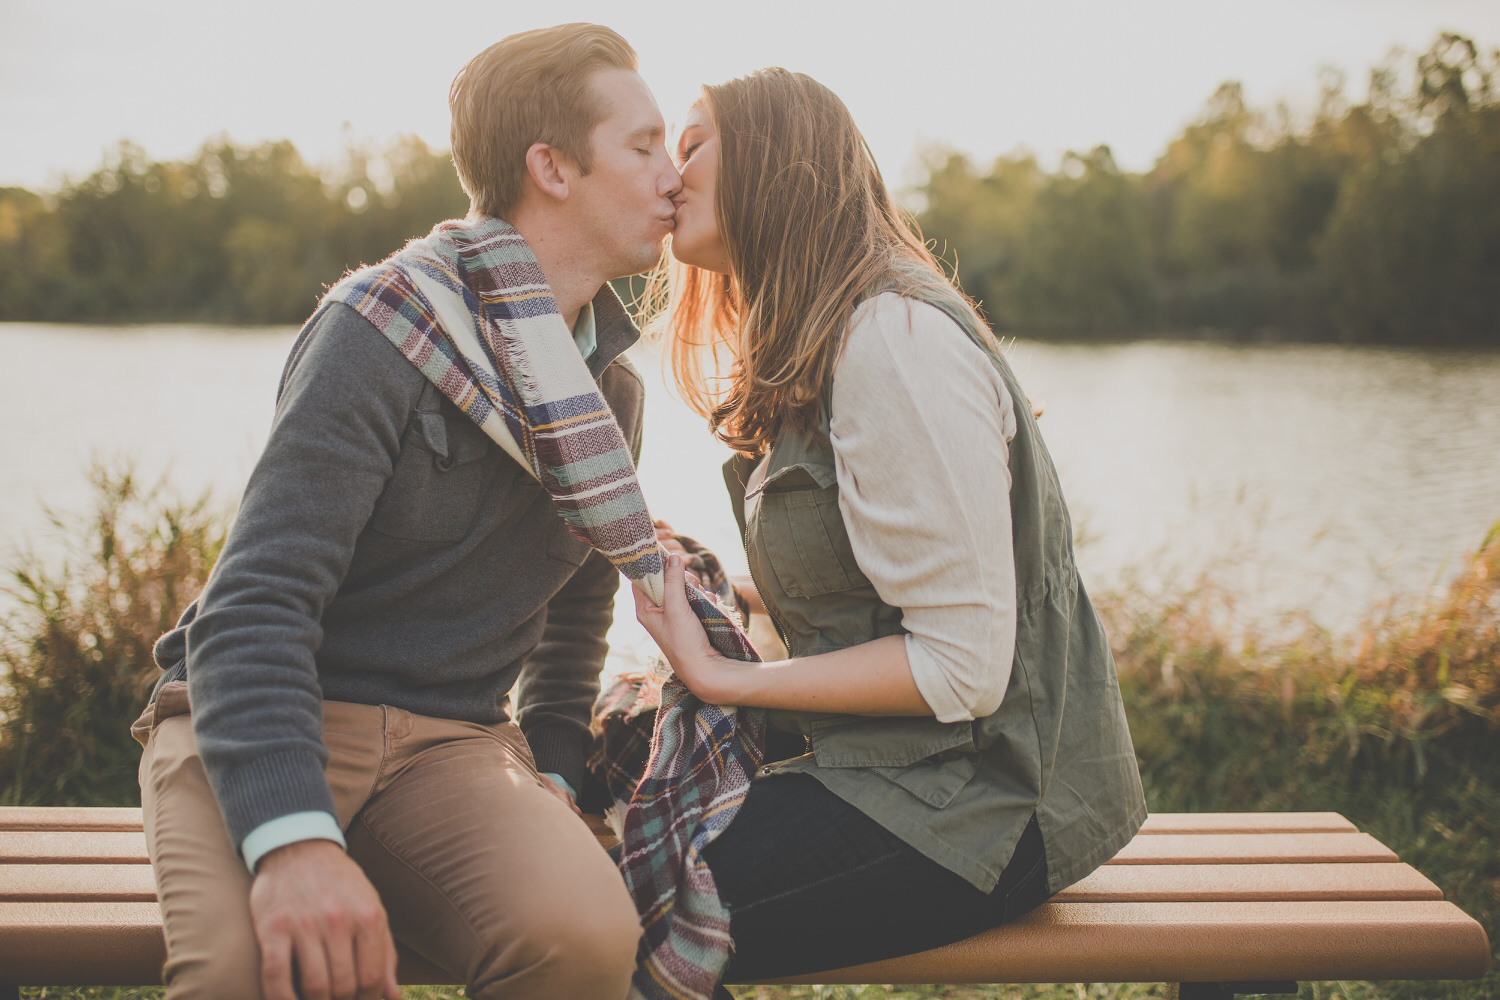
679	633
873	678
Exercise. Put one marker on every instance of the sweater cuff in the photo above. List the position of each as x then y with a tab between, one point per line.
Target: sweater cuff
561	751
290	829
269	787
562	783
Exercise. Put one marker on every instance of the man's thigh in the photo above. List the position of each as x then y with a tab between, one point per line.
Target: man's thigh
487	874
201	883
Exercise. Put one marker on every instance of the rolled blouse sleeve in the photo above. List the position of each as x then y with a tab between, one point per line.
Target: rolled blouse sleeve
921	426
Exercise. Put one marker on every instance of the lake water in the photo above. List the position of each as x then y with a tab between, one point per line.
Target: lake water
1336	476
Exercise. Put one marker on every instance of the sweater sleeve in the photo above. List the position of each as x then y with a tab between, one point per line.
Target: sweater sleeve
556	690
252	678
921	426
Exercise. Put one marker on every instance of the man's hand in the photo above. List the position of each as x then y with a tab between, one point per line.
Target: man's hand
316	915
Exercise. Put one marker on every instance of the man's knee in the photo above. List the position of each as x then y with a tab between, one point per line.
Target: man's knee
228	972
586	950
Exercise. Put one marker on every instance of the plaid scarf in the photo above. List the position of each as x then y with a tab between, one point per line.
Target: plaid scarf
625	712
469	306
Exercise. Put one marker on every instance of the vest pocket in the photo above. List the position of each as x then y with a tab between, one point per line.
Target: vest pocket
889	742
804	538
929	759
936	782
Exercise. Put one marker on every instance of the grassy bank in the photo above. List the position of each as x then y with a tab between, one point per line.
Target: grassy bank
1395	723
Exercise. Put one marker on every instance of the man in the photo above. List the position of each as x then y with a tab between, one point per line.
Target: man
392	575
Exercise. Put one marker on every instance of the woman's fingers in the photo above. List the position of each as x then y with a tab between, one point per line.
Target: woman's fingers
659	620
676	593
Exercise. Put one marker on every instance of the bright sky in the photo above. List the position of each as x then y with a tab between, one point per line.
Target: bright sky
984	77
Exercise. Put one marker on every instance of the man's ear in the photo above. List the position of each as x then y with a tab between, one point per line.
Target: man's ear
550	170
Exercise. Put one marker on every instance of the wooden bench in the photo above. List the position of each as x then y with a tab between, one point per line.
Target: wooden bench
1219	903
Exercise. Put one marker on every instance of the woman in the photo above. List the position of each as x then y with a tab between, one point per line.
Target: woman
949	743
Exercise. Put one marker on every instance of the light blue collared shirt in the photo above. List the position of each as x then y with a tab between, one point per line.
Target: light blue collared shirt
585	334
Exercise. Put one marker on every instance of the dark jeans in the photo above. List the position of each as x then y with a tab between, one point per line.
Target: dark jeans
812	883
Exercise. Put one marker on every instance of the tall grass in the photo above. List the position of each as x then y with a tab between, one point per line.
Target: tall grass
1395	724
75	639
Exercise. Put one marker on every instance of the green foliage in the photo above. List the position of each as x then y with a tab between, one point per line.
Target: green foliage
75	643
239	234
1377	222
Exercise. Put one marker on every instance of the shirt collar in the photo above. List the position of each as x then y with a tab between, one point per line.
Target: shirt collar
585	332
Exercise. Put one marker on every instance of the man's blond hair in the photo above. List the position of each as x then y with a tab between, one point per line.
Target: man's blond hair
530	87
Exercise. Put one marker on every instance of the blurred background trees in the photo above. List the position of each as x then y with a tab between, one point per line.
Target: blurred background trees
1377	221
236	234
1373	222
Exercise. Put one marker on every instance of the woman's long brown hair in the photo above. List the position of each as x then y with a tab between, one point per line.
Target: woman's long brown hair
809	227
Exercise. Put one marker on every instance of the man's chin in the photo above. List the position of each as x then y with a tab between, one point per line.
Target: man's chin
648	257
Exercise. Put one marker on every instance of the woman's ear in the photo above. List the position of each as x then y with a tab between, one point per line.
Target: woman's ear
549	170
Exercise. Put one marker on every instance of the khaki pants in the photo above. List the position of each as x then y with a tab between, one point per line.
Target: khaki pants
481	870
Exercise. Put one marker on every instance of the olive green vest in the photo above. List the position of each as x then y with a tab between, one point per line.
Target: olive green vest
961	792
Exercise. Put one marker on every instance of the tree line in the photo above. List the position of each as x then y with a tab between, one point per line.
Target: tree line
241	234
1376	221
1371	222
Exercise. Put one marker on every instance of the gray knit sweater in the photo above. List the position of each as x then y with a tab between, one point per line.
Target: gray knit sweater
387	552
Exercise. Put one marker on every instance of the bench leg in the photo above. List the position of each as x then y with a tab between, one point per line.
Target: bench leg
1227	991
10	992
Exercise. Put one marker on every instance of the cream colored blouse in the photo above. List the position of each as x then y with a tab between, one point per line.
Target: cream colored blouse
921	428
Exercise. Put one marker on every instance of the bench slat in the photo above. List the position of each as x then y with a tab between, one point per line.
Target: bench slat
77	883
1112	884
111	818
1200	942
91	847
105	847
121	944
112	944
69	818
1212	883
1248	822
1252	849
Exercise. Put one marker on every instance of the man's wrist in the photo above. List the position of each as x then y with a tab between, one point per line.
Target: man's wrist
289	829
561	749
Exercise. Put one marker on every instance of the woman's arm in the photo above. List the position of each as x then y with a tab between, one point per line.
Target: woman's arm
872	678
920	430
921	422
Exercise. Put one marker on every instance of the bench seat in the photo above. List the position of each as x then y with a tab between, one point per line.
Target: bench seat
1216	897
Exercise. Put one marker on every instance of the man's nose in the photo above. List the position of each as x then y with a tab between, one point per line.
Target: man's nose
671	181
